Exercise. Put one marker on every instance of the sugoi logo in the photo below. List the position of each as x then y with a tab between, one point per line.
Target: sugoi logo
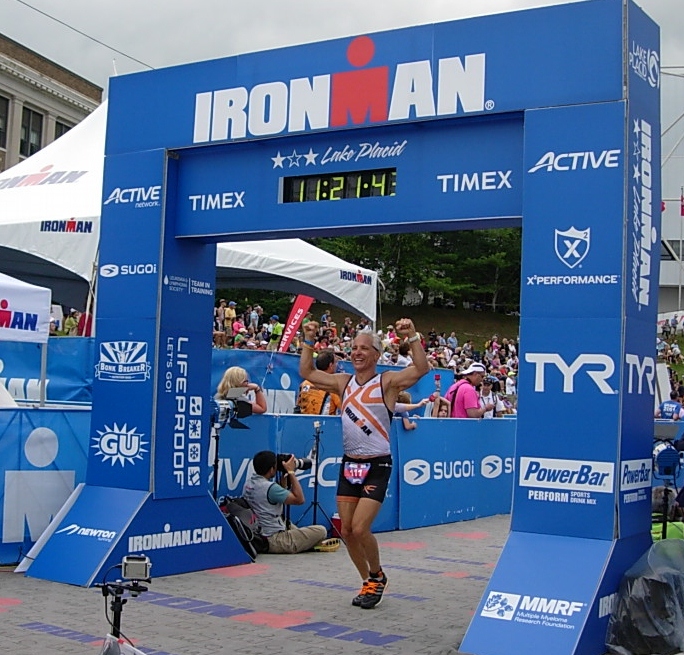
100	535
112	270
599	369
491	466
119	444
339	99
566	474
416	472
137	196
500	606
577	161
572	246
123	361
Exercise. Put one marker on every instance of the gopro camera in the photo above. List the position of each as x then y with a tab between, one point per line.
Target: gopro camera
135	567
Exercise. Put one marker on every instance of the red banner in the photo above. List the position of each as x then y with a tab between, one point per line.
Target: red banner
299	309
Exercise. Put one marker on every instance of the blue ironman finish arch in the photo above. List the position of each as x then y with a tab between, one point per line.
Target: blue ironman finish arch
525	118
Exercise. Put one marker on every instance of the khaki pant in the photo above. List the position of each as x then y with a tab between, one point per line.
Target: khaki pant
296	540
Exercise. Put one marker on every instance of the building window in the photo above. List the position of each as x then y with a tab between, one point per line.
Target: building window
4	115
669	251
61	128
31	132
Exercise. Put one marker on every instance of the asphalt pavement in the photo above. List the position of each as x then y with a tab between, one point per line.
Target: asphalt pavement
287	604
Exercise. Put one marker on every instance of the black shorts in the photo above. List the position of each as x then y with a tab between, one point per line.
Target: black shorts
369	483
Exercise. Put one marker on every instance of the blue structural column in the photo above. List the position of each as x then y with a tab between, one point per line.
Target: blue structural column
146	482
581	508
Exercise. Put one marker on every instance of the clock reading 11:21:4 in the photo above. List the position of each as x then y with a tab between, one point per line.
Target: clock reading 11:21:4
341	186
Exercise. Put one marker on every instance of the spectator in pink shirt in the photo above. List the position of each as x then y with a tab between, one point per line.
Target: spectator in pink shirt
463	395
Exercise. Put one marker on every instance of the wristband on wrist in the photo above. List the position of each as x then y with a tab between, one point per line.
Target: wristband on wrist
414	338
309	343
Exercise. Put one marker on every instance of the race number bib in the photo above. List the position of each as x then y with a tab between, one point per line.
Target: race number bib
356	472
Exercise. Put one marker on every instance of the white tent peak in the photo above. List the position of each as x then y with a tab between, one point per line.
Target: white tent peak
50	209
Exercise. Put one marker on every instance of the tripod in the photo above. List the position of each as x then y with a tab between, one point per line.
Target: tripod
315	505
117	590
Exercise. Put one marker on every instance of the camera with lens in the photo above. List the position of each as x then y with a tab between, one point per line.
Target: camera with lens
301	463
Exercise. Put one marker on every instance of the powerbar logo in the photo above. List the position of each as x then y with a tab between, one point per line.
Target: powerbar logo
175	538
566	474
635	474
644	234
352	97
530	609
100	535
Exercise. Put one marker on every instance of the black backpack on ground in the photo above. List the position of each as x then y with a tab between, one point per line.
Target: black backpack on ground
244	523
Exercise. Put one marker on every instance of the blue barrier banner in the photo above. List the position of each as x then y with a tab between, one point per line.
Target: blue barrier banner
42	459
69	375
466	474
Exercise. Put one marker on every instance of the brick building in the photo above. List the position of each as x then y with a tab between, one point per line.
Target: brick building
39	101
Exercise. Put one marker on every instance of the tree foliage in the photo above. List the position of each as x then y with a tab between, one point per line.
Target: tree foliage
480	266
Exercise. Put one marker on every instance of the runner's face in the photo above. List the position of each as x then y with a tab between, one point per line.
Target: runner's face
363	354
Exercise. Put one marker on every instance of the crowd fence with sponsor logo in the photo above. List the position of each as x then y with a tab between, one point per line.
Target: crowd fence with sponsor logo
445	470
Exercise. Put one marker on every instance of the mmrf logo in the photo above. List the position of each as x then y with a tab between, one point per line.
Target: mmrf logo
123	361
598	367
416	472
500	606
572	246
119	444
112	270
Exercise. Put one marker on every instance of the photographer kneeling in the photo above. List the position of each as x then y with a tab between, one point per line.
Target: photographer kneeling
268	498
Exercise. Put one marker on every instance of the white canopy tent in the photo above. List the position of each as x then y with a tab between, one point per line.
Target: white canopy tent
50	226
24	311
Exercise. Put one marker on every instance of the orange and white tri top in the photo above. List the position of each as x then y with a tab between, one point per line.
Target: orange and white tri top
366	419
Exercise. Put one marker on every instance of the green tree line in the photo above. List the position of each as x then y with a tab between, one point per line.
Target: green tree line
475	266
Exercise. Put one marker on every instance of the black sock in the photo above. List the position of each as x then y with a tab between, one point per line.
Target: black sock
377	576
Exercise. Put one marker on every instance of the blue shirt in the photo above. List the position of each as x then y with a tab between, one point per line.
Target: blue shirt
670	409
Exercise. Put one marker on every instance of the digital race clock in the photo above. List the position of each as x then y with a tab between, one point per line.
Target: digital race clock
340	186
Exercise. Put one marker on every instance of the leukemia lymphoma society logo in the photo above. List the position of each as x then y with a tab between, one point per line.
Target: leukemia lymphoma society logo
119	444
416	471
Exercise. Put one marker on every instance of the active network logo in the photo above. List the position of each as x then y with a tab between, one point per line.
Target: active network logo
112	270
119	444
139	197
577	161
572	245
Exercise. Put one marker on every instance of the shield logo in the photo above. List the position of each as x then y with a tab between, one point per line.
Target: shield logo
572	246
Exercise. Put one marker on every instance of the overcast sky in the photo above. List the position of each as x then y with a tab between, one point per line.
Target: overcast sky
170	32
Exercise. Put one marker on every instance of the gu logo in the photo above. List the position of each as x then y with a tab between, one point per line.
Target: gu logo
572	246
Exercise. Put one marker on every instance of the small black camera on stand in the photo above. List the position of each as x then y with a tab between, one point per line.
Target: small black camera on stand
134	570
224	412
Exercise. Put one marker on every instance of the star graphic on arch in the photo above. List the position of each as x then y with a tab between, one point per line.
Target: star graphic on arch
637	173
277	160
294	158
637	128
310	157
